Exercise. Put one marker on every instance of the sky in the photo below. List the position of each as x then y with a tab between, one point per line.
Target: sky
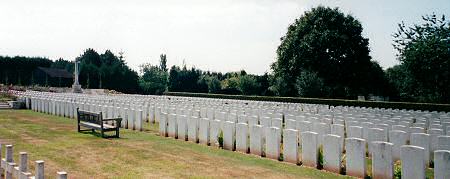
218	35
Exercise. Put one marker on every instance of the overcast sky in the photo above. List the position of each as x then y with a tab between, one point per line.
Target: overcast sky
217	35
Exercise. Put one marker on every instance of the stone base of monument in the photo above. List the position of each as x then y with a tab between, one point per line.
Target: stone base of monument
77	89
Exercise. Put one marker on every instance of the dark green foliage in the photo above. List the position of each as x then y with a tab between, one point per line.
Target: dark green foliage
401	82
320	160
220	139
163	62
106	71
329	43
423	50
211	81
397	171
153	80
263	82
63	64
309	84
248	85
186	80
19	70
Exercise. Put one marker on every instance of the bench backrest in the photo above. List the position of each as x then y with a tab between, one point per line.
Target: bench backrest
88	116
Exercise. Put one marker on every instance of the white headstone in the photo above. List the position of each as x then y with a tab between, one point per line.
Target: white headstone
356	157
339	130
434	134
443	143
382	163
172	128
310	149
422	140
203	131
273	142
441	164
242	137
416	130
214	132
321	129
256	140
163	124
398	138
355	132
413	165
376	134
332	153
138	125
182	127
229	135
192	129
290	145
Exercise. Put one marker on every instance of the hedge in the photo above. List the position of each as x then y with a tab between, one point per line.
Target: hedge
331	102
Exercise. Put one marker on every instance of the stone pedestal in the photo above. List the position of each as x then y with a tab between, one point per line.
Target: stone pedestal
77	89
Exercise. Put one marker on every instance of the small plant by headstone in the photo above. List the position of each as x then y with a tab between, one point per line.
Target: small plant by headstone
320	160
220	139
343	168
397	171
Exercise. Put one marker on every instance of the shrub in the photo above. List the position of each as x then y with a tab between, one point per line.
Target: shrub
397	171
320	160
220	139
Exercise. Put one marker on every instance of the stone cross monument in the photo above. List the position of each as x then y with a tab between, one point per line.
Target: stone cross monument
76	87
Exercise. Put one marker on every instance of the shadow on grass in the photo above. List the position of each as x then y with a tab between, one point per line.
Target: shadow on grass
99	135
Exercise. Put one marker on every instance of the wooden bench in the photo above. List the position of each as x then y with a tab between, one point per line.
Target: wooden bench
94	121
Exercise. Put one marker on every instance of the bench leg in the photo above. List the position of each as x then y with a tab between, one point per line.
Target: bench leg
117	132
103	133
79	129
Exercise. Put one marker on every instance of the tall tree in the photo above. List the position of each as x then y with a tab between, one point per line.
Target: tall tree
248	85
423	51
328	43
153	80
107	71
163	62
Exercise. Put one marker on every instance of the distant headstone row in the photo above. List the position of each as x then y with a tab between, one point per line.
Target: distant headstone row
9	169
293	132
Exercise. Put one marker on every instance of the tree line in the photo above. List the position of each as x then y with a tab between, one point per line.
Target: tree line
323	55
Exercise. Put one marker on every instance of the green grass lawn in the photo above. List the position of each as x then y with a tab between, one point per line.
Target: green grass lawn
134	155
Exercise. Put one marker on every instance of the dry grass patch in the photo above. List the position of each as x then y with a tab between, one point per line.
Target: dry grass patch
135	155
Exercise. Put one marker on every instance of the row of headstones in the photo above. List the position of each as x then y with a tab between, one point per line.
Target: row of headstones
144	98
90	97
424	123
181	123
64	110
261	117
9	169
133	118
170	100
368	131
218	101
267	142
351	110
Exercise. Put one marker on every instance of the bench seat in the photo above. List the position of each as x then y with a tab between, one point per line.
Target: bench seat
97	126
